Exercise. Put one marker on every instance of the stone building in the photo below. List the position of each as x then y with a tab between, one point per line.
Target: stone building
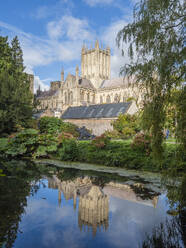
99	117
94	86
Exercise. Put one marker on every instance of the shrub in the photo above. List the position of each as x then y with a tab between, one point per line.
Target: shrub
128	132
68	150
142	142
114	134
22	143
100	141
28	143
70	128
127	125
47	144
50	125
62	136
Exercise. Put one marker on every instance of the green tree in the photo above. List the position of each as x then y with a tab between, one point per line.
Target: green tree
127	125
15	96
156	35
5	54
17	56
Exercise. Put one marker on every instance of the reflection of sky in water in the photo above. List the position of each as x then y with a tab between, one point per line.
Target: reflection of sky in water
45	224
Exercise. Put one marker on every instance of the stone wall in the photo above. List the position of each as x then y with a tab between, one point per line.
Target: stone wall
98	126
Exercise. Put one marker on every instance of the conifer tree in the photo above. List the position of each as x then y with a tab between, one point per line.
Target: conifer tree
15	96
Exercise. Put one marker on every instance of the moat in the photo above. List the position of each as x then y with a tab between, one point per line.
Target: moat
47	206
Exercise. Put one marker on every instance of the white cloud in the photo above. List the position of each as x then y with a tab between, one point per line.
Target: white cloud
72	28
96	2
37	81
64	42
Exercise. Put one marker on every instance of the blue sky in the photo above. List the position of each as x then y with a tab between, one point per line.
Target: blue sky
51	32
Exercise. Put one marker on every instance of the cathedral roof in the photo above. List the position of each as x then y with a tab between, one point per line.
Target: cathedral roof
85	83
115	82
96	111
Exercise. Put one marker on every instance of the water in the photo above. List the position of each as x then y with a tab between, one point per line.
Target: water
42	206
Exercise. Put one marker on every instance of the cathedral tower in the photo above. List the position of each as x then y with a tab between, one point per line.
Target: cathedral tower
95	64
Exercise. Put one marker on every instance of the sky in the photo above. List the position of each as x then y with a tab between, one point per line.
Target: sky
52	32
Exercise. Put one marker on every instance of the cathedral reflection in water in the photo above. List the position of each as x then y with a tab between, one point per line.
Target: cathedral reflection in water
93	209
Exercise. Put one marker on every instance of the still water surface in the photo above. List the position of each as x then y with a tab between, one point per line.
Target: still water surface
59	207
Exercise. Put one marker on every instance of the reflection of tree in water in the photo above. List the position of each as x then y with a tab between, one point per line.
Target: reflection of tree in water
172	233
13	200
167	235
14	188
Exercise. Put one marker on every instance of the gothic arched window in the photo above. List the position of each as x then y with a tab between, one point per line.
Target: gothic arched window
82	95
116	98
68	97
93	98
65	98
88	97
108	100
71	97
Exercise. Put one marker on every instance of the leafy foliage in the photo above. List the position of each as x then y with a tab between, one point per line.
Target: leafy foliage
142	142
126	125
50	125
15	96
68	150
28	143
156	35
100	141
181	121
114	134
56	126
70	128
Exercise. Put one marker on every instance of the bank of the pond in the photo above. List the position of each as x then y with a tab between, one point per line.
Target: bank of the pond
101	151
118	154
99	168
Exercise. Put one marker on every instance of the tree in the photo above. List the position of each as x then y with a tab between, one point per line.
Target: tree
126	125
156	35
5	54
15	96
17	57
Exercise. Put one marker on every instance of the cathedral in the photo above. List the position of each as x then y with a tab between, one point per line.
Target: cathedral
93	86
92	90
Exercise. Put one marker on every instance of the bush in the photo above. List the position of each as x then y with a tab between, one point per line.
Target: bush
126	125
21	144
47	144
100	141
70	128
114	134
28	143
69	150
53	125
50	125
142	142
